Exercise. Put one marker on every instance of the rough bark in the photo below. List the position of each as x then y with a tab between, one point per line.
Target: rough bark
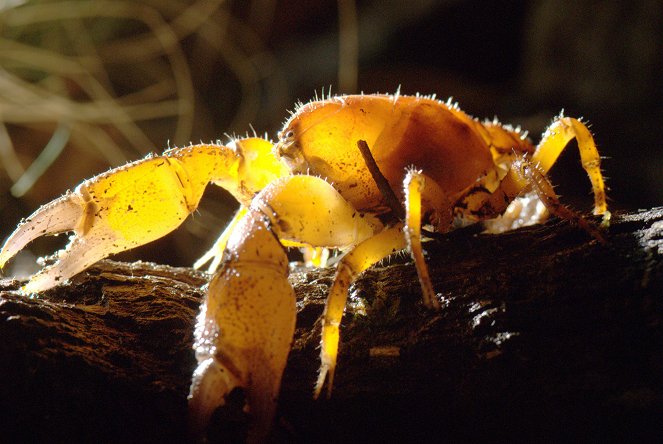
544	333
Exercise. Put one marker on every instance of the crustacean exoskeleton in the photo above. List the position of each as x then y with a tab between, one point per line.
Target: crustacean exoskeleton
314	188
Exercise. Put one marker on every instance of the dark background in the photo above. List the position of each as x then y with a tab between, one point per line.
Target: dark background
236	66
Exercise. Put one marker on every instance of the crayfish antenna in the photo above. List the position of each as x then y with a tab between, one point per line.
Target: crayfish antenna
61	215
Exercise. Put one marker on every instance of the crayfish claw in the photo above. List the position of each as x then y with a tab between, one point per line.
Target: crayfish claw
80	253
61	215
209	386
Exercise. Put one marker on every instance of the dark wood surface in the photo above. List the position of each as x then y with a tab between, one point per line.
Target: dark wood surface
545	334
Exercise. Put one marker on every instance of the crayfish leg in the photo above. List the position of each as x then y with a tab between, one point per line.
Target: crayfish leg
315	256
364	255
535	176
555	139
297	207
215	254
414	186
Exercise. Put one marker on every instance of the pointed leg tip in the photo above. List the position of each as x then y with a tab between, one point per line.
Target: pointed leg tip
605	221
320	383
326	375
318	387
316	392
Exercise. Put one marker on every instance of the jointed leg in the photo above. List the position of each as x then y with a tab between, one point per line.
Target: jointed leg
414	185
359	259
215	254
315	256
556	137
540	184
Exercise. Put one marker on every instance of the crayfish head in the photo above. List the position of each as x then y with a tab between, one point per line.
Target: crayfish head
289	150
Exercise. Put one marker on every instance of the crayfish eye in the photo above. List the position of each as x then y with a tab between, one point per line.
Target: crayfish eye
288	136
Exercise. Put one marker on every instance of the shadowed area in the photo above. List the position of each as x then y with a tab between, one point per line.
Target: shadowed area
543	331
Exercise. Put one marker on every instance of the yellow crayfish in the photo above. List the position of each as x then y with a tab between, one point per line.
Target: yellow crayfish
358	173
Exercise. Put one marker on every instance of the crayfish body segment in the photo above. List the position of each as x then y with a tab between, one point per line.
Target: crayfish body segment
312	189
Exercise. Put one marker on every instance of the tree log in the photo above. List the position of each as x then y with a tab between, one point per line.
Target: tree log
544	332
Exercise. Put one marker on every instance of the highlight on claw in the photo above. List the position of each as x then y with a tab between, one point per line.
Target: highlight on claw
359	173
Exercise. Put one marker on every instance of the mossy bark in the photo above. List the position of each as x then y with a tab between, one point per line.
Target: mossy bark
544	332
